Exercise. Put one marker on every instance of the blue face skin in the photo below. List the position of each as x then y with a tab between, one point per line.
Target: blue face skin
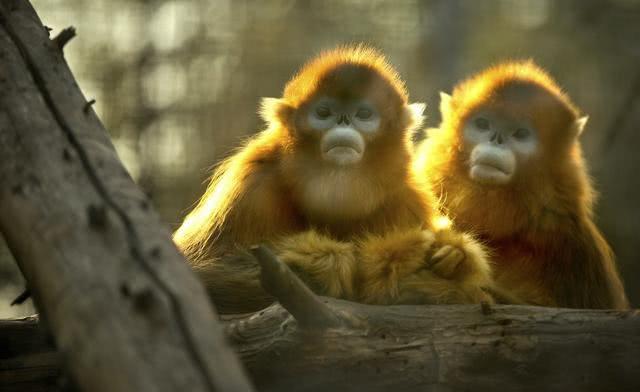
345	127
498	144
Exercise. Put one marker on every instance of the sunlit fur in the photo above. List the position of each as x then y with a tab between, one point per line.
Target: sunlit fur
276	189
540	227
399	268
259	192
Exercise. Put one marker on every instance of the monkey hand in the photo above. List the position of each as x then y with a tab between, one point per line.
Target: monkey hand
422	267
325	265
458	257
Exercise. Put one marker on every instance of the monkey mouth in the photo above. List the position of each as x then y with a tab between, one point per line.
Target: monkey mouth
343	154
343	148
490	171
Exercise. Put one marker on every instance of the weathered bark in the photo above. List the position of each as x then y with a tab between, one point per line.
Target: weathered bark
402	348
449	348
125	311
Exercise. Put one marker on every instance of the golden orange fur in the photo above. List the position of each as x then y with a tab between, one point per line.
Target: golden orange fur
540	227
320	219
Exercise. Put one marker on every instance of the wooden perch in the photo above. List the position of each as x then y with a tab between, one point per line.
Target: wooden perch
403	348
279	281
125	311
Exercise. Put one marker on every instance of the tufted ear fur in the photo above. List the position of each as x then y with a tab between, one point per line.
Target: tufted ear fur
413	119
275	110
578	126
445	104
416	114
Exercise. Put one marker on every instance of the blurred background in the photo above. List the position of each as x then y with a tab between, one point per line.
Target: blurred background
178	82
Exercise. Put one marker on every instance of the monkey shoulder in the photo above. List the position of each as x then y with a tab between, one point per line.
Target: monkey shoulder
263	209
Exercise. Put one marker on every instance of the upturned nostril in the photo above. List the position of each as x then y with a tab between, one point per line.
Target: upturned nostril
344	119
497	138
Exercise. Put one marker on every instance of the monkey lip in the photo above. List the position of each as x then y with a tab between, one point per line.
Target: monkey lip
492	162
342	146
489	174
491	169
343	154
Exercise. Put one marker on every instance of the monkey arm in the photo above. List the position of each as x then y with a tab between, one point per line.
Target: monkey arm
394	268
584	270
459	257
233	283
244	205
326	265
421	266
571	266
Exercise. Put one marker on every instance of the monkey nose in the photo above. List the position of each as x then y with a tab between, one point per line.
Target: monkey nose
497	138
344	118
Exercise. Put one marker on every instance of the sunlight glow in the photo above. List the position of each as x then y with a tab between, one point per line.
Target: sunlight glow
441	222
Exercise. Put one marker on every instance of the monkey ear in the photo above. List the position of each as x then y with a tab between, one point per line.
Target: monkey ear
578	126
415	112
445	104
274	109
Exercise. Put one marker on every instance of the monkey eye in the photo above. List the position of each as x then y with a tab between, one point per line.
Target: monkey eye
521	133
323	112
364	113
482	123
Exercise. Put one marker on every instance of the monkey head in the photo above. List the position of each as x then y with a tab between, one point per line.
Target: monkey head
340	103
345	126
512	121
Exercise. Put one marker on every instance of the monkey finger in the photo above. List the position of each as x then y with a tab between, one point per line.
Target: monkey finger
448	266
440	254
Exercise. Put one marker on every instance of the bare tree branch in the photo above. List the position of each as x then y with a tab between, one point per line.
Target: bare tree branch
279	281
64	36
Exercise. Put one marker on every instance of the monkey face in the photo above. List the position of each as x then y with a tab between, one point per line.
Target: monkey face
344	127
497	145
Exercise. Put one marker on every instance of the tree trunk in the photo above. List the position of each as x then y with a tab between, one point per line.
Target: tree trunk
125	311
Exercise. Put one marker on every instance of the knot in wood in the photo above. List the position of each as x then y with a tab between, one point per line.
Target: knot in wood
97	215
